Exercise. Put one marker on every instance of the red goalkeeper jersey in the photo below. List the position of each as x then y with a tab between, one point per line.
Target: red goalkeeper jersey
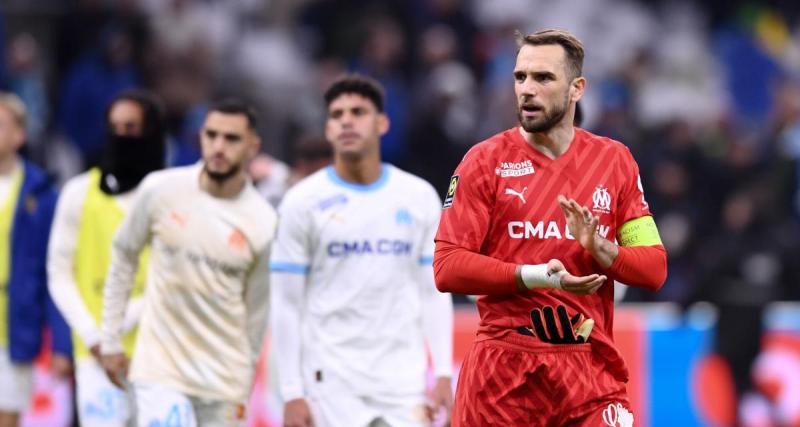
502	203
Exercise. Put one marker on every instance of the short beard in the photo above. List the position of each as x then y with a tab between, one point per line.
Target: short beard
349	156
221	177
549	121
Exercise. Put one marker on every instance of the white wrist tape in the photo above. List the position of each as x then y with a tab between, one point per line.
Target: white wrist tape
537	276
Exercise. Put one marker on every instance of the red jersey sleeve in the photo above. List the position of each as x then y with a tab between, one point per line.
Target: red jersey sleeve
468	204
632	204
458	270
466	217
643	266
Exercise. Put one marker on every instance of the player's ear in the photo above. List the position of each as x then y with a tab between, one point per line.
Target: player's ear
577	87
18	137
254	142
383	123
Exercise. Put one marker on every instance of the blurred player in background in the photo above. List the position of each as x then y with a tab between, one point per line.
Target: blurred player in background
89	211
27	202
530	223
310	155
205	302
353	293
272	177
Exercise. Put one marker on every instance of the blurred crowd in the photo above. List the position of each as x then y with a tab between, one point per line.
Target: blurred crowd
706	95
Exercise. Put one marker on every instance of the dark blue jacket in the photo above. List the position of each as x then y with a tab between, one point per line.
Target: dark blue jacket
30	309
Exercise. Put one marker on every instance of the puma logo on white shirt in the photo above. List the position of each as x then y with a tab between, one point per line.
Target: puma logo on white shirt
520	194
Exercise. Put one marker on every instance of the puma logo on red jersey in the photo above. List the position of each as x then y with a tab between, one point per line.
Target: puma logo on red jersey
520	194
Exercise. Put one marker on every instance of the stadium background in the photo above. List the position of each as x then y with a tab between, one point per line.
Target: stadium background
705	93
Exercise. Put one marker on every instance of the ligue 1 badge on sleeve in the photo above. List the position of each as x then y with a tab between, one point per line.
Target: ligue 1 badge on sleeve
451	192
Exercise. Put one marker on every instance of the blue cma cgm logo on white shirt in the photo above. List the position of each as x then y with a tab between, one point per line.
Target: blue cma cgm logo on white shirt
391	247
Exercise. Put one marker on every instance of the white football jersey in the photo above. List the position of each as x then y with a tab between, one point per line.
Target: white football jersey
206	297
362	249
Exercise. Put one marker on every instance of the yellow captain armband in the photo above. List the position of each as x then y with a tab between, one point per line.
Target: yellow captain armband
641	231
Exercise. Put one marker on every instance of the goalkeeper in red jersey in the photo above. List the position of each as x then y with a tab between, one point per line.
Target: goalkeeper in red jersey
539	221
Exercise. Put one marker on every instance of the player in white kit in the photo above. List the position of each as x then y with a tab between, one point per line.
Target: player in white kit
353	295
88	214
206	296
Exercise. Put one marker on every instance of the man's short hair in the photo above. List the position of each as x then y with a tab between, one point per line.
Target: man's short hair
236	106
573	47
358	84
311	148
16	107
154	119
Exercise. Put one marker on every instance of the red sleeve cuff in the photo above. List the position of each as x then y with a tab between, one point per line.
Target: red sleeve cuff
462	271
641	266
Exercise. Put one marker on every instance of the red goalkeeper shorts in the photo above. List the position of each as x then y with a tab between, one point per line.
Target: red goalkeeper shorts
517	380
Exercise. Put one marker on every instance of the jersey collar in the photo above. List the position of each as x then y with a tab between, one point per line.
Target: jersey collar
373	186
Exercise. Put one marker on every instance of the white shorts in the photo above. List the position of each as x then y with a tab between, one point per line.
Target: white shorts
100	403
336	406
161	406
16	384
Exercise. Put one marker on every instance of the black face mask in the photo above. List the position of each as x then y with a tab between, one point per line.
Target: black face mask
127	160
